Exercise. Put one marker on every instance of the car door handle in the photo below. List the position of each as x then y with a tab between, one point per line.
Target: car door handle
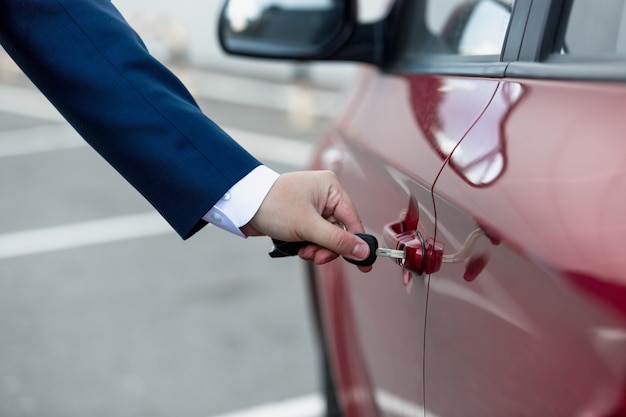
424	255
410	241
421	255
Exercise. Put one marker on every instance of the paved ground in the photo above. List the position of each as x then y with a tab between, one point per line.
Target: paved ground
99	321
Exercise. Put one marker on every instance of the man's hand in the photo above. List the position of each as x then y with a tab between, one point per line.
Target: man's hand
302	206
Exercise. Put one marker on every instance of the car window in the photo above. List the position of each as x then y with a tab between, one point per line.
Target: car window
593	31
468	27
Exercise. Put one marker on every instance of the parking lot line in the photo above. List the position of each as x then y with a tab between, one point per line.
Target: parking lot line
268	148
82	234
306	406
39	139
31	103
27	102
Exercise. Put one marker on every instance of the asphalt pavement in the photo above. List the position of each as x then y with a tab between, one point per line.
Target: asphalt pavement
104	311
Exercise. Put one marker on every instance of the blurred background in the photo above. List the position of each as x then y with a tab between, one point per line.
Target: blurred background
104	311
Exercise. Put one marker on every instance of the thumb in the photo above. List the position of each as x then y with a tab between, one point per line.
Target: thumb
339	241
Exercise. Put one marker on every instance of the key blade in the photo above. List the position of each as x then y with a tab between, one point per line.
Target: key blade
391	253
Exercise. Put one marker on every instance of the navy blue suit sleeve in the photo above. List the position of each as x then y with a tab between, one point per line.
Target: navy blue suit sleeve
96	71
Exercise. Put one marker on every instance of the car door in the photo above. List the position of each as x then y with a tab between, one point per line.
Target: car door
529	319
486	141
388	150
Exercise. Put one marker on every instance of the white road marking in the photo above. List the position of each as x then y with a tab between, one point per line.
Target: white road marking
39	139
275	149
28	242
394	405
268	94
307	406
28	102
75	235
56	137
267	148
313	406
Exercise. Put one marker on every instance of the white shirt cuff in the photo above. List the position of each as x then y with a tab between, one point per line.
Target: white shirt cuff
237	207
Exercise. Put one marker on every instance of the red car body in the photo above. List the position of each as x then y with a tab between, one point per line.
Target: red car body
508	191
533	321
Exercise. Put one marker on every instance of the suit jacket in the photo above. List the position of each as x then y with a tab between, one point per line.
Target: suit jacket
97	72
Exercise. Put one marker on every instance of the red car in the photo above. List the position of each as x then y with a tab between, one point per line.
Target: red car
486	139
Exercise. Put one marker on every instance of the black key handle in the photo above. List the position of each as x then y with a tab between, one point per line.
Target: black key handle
282	249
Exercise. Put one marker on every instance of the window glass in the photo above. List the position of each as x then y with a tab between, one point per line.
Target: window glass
469	27
595	29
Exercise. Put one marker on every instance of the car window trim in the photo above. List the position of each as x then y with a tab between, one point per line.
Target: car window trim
541	30
516	31
555	69
489	69
538	60
470	65
527	52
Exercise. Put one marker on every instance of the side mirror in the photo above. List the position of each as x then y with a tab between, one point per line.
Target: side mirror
288	29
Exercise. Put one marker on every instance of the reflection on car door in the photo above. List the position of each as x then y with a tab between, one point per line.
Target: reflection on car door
530	321
393	144
507	322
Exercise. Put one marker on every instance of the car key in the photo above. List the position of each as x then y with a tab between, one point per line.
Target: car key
282	249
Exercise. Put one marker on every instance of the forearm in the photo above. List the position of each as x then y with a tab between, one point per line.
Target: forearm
132	110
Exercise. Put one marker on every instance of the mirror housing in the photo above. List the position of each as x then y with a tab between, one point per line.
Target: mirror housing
301	30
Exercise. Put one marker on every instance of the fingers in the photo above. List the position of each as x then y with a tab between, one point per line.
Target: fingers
317	254
332	241
320	256
337	240
298	208
346	213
